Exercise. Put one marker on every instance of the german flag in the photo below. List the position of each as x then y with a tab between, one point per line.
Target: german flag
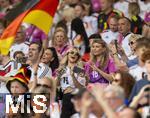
20	8
41	15
9	34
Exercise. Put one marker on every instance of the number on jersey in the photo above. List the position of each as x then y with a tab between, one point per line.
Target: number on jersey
95	74
65	80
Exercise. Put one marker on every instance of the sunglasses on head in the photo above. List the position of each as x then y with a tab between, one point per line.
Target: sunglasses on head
44	85
131	43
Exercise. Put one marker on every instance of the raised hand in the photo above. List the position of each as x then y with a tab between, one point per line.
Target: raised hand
142	92
35	68
112	48
97	92
139	97
93	66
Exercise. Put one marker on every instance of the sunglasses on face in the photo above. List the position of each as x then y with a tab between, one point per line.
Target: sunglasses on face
44	85
131	43
73	53
116	80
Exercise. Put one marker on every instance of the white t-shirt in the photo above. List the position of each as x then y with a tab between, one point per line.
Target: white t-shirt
19	47
11	69
43	71
67	80
123	7
109	36
137	72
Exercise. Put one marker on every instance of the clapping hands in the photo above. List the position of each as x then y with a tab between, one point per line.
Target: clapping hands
93	66
98	92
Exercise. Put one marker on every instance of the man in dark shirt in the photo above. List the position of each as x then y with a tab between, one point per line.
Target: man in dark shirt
107	11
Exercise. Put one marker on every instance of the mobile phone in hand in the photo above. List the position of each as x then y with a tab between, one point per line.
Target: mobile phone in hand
116	45
77	69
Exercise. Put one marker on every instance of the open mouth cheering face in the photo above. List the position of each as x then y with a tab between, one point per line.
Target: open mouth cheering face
73	55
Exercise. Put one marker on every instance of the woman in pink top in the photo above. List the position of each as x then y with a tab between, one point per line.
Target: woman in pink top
101	66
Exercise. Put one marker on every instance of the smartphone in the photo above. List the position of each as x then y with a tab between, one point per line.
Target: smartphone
77	69
116	45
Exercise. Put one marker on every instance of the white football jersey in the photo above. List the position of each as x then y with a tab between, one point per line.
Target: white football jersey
67	80
10	69
43	71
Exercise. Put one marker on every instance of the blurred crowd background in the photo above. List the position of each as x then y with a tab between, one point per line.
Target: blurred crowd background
94	63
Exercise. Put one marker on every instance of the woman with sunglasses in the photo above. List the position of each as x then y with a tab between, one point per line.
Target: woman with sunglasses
123	62
101	66
70	78
132	43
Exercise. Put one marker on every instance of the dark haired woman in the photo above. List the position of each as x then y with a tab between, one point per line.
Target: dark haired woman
126	81
81	39
50	58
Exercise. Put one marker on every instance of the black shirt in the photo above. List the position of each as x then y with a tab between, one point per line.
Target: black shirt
103	19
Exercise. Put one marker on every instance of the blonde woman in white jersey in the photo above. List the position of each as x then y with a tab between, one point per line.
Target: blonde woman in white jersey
70	76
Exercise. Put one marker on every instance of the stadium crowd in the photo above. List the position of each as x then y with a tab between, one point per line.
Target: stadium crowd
95	62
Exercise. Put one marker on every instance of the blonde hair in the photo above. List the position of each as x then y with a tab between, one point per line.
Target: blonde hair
135	37
68	14
133	9
59	30
64	61
104	56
